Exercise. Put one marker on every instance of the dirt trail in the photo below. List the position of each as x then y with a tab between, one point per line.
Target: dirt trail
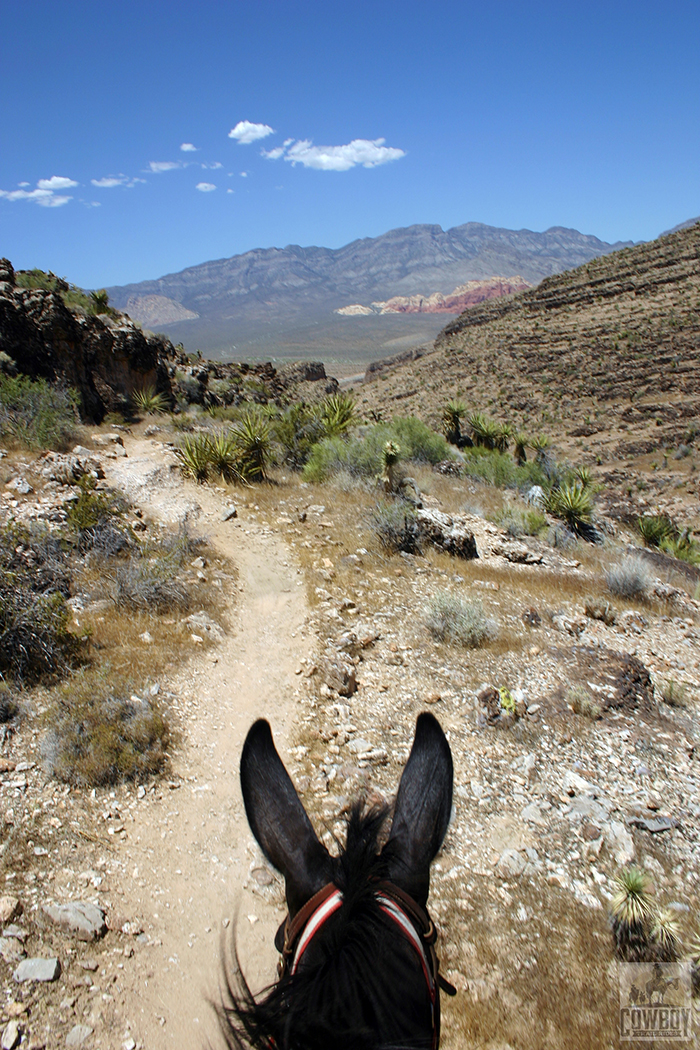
189	852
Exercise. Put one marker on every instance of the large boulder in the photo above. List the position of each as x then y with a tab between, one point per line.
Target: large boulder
449	534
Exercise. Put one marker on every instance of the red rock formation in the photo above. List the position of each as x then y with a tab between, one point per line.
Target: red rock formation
455	302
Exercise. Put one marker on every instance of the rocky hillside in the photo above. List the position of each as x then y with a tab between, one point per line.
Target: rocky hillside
606	354
280	301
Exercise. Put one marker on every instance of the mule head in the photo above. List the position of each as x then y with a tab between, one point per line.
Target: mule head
283	830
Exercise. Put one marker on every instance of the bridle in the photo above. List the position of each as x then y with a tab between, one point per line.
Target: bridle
295	935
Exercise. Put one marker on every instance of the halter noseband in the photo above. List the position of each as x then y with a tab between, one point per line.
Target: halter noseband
413	921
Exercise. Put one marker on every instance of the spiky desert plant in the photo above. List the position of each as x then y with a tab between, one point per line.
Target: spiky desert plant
452	419
585	476
521	443
195	456
572	503
654	528
338	414
478	424
224	456
254	444
391	453
682	546
504	433
99	301
665	935
631	912
540	445
146	399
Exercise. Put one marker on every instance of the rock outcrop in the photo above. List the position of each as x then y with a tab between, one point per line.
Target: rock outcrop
103	358
464	296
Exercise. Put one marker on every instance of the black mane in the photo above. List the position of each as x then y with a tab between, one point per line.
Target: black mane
358	988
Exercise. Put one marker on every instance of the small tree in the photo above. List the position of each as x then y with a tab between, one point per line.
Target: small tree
100	301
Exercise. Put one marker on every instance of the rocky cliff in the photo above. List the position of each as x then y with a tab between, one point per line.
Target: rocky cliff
104	358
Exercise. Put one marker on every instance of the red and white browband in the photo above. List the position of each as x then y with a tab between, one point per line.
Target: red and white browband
388	906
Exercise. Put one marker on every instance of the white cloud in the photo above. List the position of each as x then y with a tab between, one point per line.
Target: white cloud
156	166
53	201
187	147
56	182
23	183
205	187
109	180
366	152
46	198
273	154
212	165
230	191
244	174
245	132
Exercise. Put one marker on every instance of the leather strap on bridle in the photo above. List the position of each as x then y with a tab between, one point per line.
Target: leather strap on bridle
417	916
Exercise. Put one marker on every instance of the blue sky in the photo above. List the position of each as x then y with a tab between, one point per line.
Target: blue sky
381	114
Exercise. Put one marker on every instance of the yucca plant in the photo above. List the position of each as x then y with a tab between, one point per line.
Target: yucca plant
631	912
521	443
99	301
540	445
666	935
254	445
478	424
654	528
391	453
504	433
451	421
195	456
585	476
682	546
224	456
146	399
572	503
338	414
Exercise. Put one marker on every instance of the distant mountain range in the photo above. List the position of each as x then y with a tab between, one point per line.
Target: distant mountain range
279	302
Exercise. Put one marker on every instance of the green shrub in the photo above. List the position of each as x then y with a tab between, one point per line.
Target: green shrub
36	415
497	468
459	621
363	455
97	734
418	442
297	430
683	547
520	522
394	522
582	703
34	619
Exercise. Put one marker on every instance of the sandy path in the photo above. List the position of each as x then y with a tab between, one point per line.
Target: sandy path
190	850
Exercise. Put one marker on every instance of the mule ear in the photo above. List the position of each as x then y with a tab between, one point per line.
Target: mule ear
279	821
422	811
